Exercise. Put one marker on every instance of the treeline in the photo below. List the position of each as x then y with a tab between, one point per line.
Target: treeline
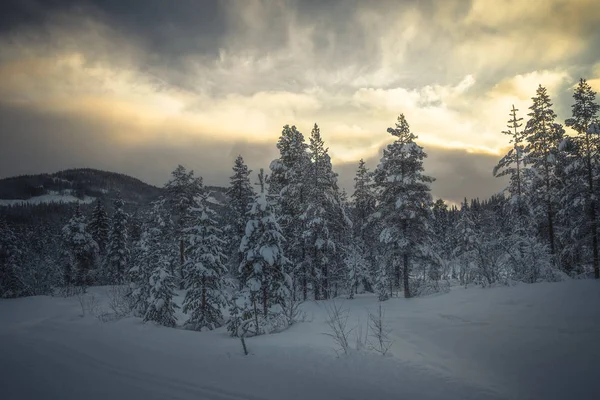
293	234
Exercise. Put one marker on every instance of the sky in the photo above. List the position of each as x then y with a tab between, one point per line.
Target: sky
139	87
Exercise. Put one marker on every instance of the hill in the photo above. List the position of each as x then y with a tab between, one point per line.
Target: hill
75	184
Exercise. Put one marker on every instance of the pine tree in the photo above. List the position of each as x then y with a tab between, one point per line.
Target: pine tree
585	113
152	250
10	255
511	164
180	192
263	266
363	206
544	136
288	184
240	195
99	226
321	208
404	199
356	270
82	248
118	248
205	269
161	307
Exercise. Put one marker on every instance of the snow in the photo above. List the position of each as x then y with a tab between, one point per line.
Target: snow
52	197
523	342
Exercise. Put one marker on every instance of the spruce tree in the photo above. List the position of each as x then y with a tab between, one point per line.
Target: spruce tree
585	113
205	268
262	270
240	195
180	192
161	307
363	206
288	185
153	249
544	136
319	217
511	164
82	248
117	257
99	226
404	202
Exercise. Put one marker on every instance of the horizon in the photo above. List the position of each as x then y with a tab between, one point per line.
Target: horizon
110	85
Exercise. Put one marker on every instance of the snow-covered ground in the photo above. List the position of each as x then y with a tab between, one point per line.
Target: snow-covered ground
524	342
52	197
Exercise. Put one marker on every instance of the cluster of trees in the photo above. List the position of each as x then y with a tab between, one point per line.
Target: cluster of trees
295	235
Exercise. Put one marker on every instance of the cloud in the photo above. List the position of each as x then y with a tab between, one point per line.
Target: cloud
205	80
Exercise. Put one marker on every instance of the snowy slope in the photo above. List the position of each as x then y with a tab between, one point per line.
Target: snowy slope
53	197
523	342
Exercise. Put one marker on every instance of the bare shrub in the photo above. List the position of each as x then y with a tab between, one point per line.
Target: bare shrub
361	340
292	311
338	325
87	301
119	302
379	338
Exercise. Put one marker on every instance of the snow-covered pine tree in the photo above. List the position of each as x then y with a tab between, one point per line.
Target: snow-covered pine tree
240	195
180	192
511	164
467	238
403	207
382	282
288	184
99	226
151	250
585	113
10	257
363	204
356	269
117	257
544	136
266	283
205	268
161	307
320	245
82	248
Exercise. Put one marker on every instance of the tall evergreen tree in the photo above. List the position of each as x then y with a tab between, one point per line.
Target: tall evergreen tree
118	248
404	199
154	249
205	268
99	226
240	195
511	164
263	266
180	192
288	184
82	248
585	113
544	136
319	237
363	206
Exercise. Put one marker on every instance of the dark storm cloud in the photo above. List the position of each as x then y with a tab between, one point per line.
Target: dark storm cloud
139	87
166	28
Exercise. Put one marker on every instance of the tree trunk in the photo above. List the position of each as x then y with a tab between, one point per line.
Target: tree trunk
181	262
203	293
405	276
265	300
594	224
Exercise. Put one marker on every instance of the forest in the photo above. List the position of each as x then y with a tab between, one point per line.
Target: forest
289	233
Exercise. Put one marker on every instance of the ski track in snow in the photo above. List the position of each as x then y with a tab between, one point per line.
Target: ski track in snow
524	342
